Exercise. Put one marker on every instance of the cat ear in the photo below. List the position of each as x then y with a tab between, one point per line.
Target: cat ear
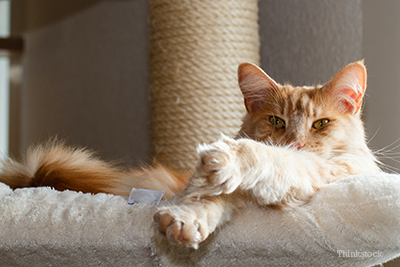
348	86
255	85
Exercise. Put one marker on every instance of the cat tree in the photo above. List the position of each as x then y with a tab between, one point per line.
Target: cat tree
196	47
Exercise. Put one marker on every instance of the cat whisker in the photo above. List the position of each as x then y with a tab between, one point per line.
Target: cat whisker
388	168
389	147
268	141
376	132
391	158
245	135
391	154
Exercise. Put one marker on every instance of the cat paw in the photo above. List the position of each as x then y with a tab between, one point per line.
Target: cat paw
218	165
181	226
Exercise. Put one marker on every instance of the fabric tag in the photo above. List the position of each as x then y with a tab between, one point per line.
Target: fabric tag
145	196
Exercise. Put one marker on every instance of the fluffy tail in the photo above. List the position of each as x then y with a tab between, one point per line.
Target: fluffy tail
62	167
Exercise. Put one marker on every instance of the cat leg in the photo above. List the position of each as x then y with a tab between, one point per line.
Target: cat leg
193	219
272	175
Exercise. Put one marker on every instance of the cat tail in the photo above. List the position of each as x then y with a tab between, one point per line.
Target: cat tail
61	167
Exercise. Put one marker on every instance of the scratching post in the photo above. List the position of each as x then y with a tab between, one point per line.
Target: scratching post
196	47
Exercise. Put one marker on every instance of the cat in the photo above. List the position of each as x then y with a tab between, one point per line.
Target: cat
293	140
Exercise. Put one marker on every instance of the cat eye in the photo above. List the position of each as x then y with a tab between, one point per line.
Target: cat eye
320	123
277	122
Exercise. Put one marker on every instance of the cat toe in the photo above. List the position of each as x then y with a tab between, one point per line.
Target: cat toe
186	233
181	227
163	220
213	161
217	165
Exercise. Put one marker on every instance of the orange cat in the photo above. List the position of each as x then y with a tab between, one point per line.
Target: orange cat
293	140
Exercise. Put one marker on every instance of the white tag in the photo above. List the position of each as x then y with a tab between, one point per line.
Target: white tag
145	196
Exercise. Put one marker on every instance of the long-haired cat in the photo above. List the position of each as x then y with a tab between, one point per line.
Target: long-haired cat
292	141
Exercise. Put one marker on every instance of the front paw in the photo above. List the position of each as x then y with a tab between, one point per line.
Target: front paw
180	225
219	166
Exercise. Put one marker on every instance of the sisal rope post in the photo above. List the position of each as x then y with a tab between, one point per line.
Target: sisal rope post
196	47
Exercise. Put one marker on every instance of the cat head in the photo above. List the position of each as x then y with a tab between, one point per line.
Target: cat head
323	118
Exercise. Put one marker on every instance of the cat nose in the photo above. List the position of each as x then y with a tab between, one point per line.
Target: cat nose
298	145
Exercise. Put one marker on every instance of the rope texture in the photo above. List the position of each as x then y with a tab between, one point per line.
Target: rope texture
196	47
